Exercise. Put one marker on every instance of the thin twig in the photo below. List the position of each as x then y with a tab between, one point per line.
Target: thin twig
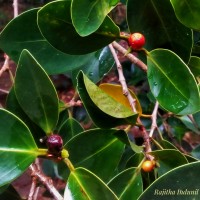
15	8
154	119
36	193
5	66
4	91
33	188
46	181
130	56
73	103
122	79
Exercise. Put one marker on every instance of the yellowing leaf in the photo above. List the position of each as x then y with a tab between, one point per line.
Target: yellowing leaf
115	91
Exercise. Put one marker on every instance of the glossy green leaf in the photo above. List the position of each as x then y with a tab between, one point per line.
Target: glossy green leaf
35	93
189	124
127	184
69	129
161	28
168	159
83	184
57	28
13	106
180	183
187	12
135	147
177	128
97	67
166	144
190	158
168	76
19	35
94	149
196	152
102	107
135	160
89	19
17	147
196	117
194	66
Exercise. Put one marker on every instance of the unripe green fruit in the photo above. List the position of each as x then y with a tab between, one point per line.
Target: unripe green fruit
136	41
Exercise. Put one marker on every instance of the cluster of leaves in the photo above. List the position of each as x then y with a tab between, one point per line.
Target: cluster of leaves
62	37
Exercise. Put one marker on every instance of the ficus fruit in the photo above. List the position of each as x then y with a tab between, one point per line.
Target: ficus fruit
55	144
136	41
148	165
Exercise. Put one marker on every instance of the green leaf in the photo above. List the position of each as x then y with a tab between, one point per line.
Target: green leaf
135	160
190	158
83	184
89	19
168	76
166	144
13	106
168	159
194	66
135	147
177	128
102	107
189	124
69	128
161	28
187	12
196	152
97	67
127	184
57	28
179	183
17	147
35	93
95	149
19	35
196	117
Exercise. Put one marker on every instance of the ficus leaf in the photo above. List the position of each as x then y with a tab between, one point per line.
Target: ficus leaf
168	77
17	147
178	184
35	93
89	19
87	185
57	28
102	107
161	28
187	12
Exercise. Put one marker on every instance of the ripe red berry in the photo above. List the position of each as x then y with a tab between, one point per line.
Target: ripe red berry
136	41
148	165
55	144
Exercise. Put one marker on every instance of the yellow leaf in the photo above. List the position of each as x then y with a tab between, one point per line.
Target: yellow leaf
115	91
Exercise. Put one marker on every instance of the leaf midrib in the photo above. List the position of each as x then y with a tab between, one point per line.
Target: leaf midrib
97	152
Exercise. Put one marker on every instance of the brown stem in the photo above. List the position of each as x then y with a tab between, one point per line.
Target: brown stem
147	142
15	8
122	79
130	56
4	91
33	188
5	66
154	119
46	181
